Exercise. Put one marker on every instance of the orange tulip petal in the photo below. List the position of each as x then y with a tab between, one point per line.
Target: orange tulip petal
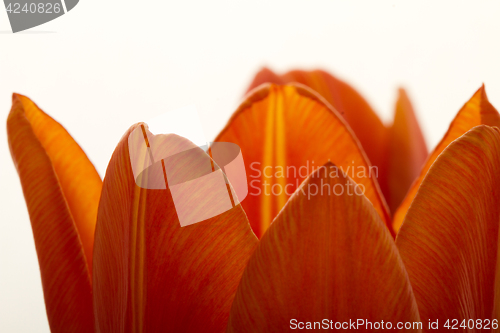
407	152
47	159
325	256
80	183
363	120
476	111
151	274
285	132
449	239
265	75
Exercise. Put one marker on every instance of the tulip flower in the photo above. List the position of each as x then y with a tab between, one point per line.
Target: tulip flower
113	257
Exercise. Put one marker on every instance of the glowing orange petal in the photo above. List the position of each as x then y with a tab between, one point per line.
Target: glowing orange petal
365	123
284	132
476	111
151	274
407	152
325	256
61	188
449	239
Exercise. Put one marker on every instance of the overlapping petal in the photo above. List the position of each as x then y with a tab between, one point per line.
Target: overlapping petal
62	189
151	274
406	155
476	111
449	238
363	120
327	255
285	132
398	151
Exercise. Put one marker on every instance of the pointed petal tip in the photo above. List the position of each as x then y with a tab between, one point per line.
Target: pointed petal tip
484	96
402	97
403	94
16	98
476	111
310	244
451	271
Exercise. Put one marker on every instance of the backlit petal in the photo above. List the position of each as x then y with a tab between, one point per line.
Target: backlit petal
363	120
151	274
476	111
407	152
326	256
285	132
449	239
61	188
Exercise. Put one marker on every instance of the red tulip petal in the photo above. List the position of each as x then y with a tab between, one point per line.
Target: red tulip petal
407	152
285	132
476	111
151	274
325	256
449	239
61	188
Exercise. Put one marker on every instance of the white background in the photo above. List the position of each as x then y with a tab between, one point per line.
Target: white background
108	64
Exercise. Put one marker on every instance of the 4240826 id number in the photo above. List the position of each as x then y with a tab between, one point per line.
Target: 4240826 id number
38	7
481	324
